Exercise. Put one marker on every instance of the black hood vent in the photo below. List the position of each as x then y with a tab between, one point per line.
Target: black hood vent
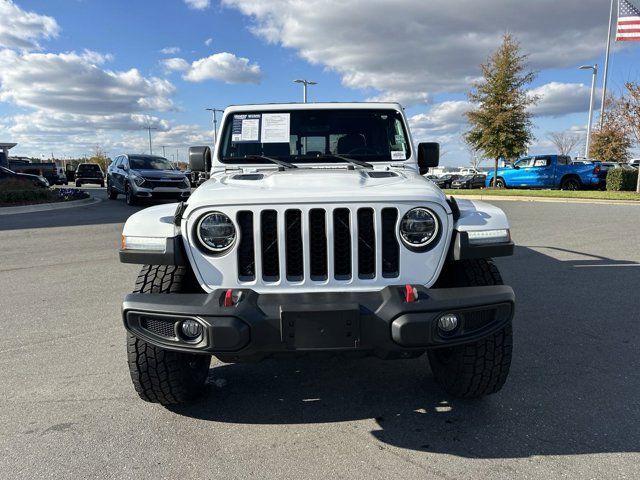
248	176
382	174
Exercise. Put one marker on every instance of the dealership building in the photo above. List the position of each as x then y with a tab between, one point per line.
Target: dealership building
4	153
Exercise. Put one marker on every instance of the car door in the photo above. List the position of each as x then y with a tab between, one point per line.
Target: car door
118	174
521	175
540	174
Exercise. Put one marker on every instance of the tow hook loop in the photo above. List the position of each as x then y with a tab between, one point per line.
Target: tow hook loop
410	294
228	298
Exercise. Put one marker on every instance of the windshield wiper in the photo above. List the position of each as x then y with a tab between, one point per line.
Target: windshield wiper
352	161
282	163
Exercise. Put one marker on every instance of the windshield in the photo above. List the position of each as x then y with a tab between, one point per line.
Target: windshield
149	163
466	177
300	136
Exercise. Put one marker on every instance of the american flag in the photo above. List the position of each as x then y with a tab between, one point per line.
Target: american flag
628	22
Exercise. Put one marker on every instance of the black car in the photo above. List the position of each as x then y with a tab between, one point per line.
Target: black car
445	180
26	178
89	173
470	181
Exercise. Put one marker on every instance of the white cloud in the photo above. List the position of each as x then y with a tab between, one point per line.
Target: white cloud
441	119
414	48
223	66
557	99
21	29
170	50
208	42
175	64
73	83
198	4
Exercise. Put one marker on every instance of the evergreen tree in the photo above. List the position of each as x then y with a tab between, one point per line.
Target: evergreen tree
501	123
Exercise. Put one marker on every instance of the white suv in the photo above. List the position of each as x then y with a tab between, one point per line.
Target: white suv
317	232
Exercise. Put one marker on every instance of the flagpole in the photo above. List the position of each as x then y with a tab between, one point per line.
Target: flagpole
606	67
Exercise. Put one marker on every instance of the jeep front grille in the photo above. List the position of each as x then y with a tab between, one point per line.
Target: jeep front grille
317	244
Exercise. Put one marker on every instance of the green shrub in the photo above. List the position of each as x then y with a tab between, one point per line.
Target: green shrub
622	179
12	191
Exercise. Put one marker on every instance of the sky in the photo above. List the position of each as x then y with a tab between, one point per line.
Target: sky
76	74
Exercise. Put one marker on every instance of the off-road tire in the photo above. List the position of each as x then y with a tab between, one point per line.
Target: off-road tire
159	375
111	193
479	368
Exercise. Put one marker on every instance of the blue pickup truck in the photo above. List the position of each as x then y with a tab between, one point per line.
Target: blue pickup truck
548	171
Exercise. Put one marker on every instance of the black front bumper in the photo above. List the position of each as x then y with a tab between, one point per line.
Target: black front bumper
261	325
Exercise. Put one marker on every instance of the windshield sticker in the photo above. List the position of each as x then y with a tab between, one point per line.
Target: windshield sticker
246	128
276	127
398	155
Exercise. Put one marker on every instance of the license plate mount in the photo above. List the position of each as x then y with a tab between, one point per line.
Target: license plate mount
320	327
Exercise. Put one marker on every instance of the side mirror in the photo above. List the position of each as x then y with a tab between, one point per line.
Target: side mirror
516	166
428	156
200	159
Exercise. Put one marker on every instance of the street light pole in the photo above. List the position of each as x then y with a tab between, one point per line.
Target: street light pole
594	73
149	128
163	152
305	84
215	123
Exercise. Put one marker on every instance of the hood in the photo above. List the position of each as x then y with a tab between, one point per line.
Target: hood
315	185
158	174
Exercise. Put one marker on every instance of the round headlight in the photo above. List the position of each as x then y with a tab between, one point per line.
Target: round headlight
419	227
216	232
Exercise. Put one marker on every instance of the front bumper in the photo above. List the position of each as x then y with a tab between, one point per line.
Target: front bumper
261	325
161	192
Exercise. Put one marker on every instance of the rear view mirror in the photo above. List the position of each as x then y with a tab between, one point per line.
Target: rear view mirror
428	156
200	159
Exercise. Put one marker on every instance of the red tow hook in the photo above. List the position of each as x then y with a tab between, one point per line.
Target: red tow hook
228	298
410	294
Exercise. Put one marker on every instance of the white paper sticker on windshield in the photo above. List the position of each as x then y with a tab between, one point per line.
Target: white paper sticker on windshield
398	156
246	128
275	127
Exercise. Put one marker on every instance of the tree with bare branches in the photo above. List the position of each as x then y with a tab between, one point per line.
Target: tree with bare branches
611	142
99	156
565	142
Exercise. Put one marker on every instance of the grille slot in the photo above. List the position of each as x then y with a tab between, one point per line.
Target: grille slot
366	244
342	243
270	256
478	319
390	247
246	255
294	250
161	328
318	243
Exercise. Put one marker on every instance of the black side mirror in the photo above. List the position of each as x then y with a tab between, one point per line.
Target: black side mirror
200	159
122	167
428	156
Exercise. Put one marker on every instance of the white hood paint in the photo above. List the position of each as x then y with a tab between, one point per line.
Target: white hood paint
315	185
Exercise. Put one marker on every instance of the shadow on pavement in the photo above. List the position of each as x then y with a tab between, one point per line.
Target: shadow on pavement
574	386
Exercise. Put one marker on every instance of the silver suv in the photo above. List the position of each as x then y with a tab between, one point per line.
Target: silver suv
146	177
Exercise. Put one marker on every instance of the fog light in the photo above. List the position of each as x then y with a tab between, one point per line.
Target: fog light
191	329
448	322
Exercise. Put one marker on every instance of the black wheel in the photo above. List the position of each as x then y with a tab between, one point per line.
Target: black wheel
78	184
159	375
130	197
479	368
570	183
111	193
101	184
499	183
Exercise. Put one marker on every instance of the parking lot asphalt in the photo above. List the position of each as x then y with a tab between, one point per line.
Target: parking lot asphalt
570	408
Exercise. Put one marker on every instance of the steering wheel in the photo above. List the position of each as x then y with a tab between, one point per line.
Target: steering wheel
363	150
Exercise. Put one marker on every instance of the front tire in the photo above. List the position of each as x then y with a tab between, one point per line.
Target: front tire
111	193
158	375
479	368
78	184
570	183
131	199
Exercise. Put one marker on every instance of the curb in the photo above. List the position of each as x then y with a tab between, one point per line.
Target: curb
43	207
506	198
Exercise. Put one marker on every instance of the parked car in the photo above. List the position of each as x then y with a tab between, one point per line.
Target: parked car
467	171
445	180
469	181
47	170
146	177
62	176
549	171
26	178
89	173
635	163
282	256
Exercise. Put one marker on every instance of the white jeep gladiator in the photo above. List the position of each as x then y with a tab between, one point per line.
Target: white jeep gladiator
316	232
